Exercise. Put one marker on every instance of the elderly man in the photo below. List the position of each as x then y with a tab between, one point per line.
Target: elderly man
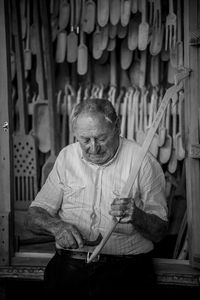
79	199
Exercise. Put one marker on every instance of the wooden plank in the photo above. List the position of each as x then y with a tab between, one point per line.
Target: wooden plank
6	183
192	60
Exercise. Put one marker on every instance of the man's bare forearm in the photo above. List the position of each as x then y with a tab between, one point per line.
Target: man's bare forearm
150	226
40	221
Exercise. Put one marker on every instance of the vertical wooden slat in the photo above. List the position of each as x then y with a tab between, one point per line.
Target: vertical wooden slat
192	90
6	179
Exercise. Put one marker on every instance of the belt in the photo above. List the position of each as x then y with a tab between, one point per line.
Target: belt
99	258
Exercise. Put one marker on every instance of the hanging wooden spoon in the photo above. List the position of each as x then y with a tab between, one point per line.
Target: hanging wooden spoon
143	34
154	144
124	115
27	51
82	64
90	16
72	39
172	164
180	151
64	14
162	129
126	55
157	31
115	10
125	12
104	37
141	133
121	31
165	150
61	46
134	6
96	43
102	12
133	33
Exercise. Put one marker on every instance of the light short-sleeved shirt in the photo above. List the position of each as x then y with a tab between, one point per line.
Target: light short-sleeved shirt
81	193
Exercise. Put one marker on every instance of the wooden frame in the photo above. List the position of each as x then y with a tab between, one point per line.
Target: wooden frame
169	271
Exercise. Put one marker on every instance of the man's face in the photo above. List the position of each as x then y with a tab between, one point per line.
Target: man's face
98	138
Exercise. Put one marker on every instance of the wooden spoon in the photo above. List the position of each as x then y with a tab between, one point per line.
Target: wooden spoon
130	124
111	44
115	10
134	6
172	164
180	151
72	39
90	16
64	14
135	70
133	33
102	12
96	43
162	129
27	51
165	150
140	136
61	46
154	70
82	64
125	12
104	37
126	55
121	31
154	144
143	34
124	115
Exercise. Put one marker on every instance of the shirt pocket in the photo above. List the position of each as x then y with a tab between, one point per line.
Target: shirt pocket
74	195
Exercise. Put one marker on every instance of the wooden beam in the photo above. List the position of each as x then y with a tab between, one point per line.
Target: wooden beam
192	90
5	135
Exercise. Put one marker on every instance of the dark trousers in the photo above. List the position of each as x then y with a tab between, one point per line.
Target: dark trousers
122	278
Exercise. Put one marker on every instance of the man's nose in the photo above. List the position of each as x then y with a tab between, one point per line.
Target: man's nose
93	146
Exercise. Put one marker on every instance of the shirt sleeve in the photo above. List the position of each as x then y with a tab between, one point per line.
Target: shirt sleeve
152	188
51	194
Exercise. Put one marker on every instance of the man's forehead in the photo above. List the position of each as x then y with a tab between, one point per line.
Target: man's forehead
94	118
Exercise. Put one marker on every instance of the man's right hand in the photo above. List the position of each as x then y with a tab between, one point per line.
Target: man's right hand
68	236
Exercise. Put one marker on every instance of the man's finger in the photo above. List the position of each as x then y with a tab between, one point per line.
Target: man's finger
78	238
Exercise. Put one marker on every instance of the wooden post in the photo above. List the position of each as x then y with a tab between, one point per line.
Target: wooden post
5	136
192	102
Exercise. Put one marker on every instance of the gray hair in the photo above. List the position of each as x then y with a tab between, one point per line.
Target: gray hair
95	106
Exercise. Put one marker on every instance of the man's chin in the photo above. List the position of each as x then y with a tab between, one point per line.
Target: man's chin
97	159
